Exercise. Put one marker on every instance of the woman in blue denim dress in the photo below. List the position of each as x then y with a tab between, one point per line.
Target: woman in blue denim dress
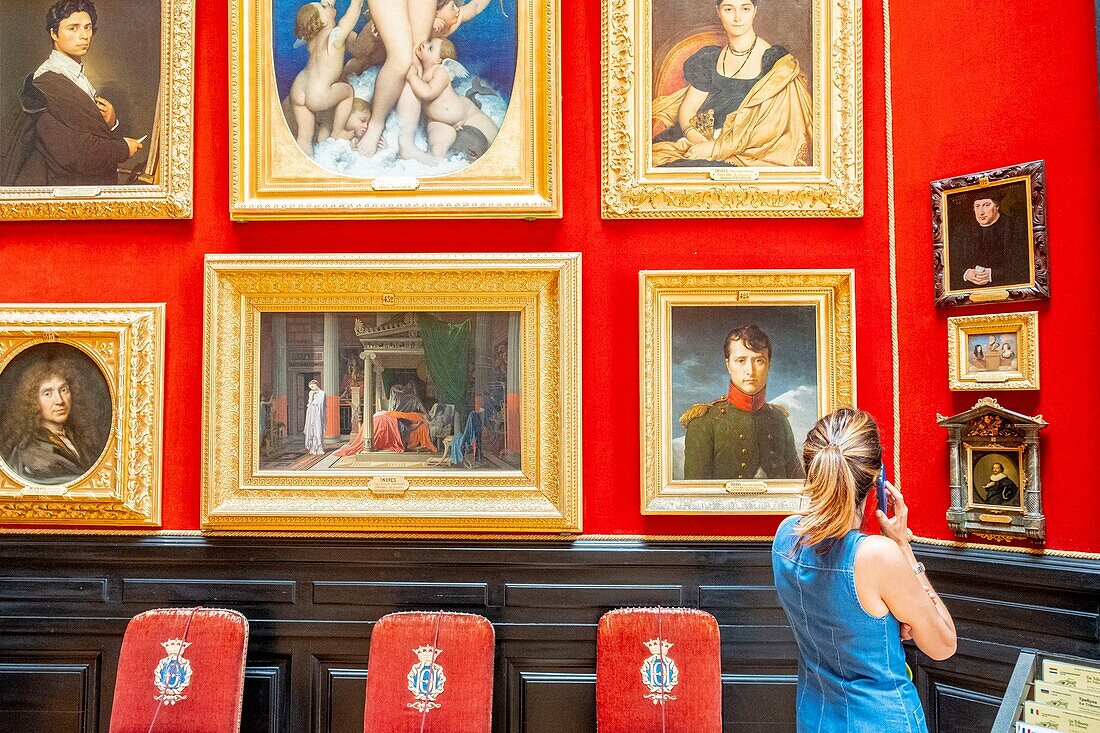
851	598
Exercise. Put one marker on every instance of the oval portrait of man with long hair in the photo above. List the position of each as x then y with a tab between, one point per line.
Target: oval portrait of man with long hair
55	414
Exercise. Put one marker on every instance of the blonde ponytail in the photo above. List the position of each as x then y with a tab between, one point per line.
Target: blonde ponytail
842	455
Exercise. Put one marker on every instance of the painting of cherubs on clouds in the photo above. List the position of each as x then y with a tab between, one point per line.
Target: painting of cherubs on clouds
394	89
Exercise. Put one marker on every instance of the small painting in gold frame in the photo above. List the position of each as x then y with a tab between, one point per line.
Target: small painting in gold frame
400	393
457	117
732	109
81	414
98	126
736	367
999	351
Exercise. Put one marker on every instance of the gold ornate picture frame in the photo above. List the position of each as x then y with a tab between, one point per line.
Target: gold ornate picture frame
81	421
507	66
392	393
999	351
708	444
792	146
155	110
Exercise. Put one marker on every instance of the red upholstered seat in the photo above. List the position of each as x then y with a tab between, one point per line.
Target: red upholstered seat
181	670
658	670
430	673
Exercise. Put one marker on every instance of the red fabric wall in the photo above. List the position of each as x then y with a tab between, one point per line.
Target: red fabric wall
975	94
990	87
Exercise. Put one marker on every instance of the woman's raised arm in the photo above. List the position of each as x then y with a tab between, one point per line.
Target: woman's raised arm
890	569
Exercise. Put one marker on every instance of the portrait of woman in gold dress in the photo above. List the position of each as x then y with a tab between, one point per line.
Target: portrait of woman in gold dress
728	96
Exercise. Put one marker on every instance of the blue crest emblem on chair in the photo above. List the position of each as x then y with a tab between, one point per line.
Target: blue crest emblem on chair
659	672
173	673
426	679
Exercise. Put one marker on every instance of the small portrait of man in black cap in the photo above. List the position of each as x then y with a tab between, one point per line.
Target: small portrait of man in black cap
988	238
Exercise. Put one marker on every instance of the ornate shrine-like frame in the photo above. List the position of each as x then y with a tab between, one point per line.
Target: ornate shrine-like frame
824	181
166	188
381	475
809	316
995	480
107	361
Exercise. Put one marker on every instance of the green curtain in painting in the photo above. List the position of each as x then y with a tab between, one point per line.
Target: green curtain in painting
447	351
389	376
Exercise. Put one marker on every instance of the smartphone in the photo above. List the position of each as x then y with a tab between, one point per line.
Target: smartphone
880	490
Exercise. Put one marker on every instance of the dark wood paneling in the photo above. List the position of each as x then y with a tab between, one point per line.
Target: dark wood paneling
758	703
308	651
419	595
342	692
565	595
265	697
87	590
143	590
56	696
554	701
958	710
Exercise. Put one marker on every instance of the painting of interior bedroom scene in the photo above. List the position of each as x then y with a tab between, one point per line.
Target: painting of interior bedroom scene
372	391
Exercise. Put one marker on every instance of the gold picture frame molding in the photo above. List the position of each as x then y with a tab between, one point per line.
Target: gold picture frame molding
830	292
544	496
270	178
961	328
169	198
126	342
831	187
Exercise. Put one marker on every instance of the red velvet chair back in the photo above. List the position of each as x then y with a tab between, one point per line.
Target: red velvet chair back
658	670
181	670
430	673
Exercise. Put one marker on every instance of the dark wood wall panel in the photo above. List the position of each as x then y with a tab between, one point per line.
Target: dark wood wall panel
311	604
56	695
417	595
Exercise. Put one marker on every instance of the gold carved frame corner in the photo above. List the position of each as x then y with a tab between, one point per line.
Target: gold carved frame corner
543	496
831	187
829	292
126	343
169	197
271	179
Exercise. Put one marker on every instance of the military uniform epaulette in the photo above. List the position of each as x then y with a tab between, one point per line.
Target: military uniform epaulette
698	410
782	408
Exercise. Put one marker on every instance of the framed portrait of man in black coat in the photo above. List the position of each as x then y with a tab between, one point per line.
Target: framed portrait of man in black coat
95	109
990	236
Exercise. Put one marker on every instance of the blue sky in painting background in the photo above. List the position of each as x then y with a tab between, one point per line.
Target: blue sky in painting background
486	45
698	371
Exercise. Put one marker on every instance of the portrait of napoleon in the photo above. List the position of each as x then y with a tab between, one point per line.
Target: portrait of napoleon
55	414
744	391
79	92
